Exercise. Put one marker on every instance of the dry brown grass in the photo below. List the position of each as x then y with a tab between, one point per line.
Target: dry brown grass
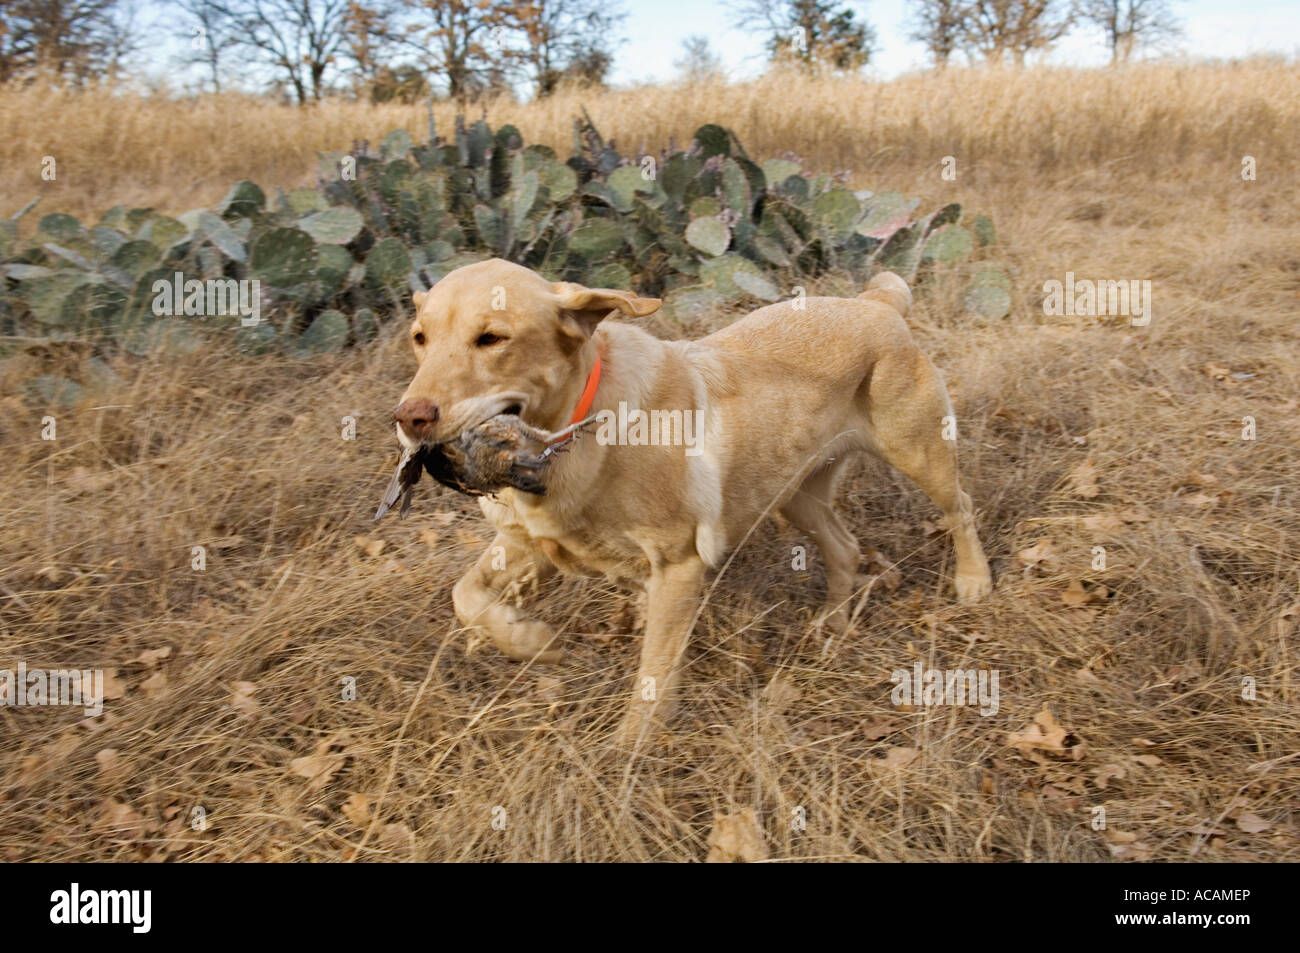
245	457
116	149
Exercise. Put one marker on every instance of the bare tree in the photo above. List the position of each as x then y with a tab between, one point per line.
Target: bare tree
564	39
210	35
371	40
995	28
811	33
1129	24
938	24
300	40
466	42
72	40
698	62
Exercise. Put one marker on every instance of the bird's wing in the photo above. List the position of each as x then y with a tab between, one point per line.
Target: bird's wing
407	475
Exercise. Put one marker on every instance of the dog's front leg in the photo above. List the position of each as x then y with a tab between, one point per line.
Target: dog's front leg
481	600
673	597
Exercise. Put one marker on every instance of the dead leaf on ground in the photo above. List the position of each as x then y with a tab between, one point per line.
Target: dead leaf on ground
1075	595
1125	845
241	699
1109	772
429	537
151	657
397	837
155	684
370	546
896	759
120	818
1186	672
82	480
108	759
1082	480
1220	374
880	729
780	693
114	687
736	838
1252	823
1041	553
357	810
1102	525
1088	677
880	568
1043	734
317	768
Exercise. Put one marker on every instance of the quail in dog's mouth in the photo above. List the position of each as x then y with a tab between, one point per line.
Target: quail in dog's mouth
501	452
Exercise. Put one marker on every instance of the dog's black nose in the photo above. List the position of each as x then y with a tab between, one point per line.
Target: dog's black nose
416	417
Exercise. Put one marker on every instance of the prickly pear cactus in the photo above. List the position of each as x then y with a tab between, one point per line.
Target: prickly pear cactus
313	269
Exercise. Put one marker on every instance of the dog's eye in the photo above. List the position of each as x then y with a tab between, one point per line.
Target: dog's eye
487	339
418	338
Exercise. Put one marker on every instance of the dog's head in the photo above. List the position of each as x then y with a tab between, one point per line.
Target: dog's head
495	337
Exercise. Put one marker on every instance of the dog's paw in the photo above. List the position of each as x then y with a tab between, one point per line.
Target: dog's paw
529	640
972	587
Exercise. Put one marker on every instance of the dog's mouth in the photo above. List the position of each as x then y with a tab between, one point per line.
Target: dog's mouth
466	415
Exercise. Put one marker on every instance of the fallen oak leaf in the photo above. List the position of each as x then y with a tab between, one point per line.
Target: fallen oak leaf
107	759
1252	823
114	687
1042	552
780	693
1082	480
357	810
317	768
736	838
1109	772
155	684
895	760
241	699
1103	525
151	657
1044	734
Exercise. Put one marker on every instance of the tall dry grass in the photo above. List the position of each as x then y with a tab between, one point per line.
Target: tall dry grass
1201	531
119	149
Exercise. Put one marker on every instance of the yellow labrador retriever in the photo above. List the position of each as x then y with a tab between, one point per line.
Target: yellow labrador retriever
756	418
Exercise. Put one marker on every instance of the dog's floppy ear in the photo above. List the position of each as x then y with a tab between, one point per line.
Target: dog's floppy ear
581	309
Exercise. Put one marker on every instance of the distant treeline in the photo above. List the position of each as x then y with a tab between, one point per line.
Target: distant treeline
406	50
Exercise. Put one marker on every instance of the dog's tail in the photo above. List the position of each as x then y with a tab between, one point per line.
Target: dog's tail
889	288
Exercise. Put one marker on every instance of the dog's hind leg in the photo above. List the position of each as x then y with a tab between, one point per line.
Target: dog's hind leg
811	510
912	427
482	600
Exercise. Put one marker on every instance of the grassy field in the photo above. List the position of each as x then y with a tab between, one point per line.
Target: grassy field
1076	433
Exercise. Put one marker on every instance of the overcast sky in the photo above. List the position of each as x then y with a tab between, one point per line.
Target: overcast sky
653	31
655	28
